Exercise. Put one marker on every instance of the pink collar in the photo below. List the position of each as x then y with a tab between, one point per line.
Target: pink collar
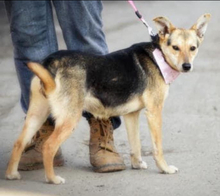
169	74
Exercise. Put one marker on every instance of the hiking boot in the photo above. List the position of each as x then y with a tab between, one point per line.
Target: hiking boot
32	158
103	155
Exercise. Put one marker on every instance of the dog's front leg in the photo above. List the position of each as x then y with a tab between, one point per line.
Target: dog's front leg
132	126
154	117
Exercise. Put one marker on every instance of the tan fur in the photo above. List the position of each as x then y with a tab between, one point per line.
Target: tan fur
132	126
68	102
94	106
44	75
61	133
36	116
184	39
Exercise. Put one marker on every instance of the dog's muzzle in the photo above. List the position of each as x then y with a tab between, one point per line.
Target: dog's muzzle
186	66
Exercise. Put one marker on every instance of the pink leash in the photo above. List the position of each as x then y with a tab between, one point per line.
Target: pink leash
169	74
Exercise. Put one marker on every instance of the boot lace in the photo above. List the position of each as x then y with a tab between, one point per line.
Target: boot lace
106	131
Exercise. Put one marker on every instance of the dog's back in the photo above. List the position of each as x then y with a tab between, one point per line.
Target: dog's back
113	78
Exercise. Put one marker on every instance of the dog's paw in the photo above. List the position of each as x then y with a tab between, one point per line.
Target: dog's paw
170	170
56	180
13	176
59	180
139	165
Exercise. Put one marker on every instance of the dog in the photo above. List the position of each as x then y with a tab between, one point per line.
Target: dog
117	84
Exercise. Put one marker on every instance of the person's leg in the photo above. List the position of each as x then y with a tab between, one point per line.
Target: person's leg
81	24
33	37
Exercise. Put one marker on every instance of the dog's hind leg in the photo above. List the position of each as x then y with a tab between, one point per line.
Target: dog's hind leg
132	126
67	113
65	124
154	107
37	114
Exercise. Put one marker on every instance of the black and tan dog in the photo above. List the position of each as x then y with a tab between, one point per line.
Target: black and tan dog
119	83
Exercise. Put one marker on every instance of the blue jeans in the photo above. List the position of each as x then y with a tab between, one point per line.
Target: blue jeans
34	37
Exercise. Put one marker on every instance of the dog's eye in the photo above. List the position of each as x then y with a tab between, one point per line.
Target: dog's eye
176	48
192	48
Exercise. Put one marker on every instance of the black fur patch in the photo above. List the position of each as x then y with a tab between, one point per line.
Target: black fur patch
114	78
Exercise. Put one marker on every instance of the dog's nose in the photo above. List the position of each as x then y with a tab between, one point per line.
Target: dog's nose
186	66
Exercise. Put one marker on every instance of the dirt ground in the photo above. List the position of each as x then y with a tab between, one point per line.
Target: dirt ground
191	117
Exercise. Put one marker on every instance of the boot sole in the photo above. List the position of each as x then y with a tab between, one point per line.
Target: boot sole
109	168
58	162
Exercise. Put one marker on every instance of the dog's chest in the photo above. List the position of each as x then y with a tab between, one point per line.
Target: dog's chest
94	106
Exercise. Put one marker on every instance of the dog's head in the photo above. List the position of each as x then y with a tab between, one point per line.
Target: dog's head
180	46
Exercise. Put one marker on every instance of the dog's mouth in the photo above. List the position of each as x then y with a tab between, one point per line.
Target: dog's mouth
184	68
176	68
186	71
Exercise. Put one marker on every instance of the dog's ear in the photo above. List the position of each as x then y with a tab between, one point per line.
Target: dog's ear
201	25
164	26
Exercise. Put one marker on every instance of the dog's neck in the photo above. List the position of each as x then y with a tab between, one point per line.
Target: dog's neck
169	74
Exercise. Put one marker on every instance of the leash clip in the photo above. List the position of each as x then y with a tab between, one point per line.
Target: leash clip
150	30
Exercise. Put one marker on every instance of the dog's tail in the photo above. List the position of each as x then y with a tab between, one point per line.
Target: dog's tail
44	75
